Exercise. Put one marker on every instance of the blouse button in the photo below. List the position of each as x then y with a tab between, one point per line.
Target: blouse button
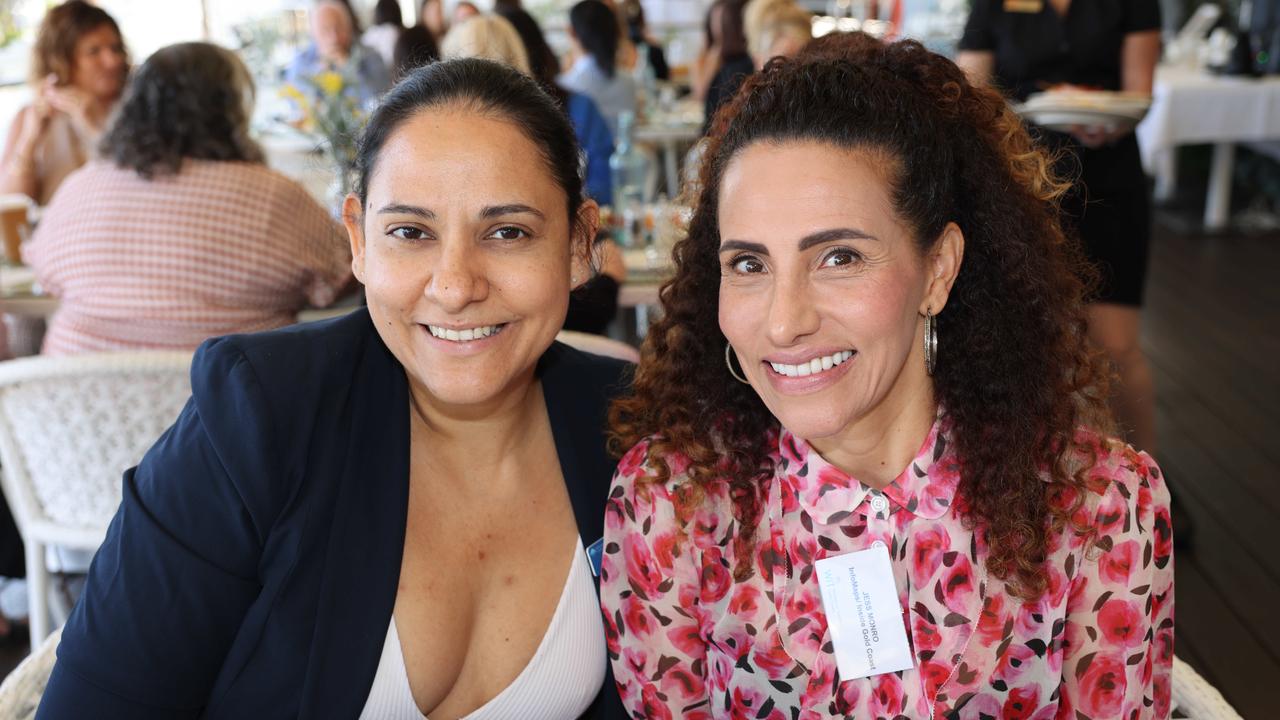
878	544
879	504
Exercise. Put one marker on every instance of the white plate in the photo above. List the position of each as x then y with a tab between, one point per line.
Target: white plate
1063	110
1067	120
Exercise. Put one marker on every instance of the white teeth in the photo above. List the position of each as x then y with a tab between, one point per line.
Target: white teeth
814	366
478	333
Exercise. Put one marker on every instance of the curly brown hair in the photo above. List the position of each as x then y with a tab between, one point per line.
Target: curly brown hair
1015	375
54	52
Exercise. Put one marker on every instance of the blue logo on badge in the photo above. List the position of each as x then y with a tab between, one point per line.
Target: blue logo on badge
595	553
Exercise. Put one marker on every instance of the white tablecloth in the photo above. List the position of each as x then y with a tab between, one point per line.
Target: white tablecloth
1191	107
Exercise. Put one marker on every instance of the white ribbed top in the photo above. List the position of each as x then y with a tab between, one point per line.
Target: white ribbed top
561	680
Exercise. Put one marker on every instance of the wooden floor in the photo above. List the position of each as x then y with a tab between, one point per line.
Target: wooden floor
1213	307
1210	332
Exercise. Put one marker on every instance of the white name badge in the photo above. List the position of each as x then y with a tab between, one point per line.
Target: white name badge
863	613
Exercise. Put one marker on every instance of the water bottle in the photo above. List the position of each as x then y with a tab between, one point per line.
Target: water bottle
645	79
629	169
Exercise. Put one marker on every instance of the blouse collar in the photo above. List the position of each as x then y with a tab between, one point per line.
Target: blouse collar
926	488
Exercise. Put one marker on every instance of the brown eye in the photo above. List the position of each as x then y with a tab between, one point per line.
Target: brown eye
840	257
408	233
747	264
509	233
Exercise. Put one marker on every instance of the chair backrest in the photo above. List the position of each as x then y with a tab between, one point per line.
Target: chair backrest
21	691
1195	698
69	426
599	345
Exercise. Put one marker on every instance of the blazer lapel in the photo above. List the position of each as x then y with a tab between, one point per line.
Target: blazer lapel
578	411
366	543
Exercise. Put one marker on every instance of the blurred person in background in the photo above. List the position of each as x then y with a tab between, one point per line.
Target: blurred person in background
1096	44
464	11
179	232
388	23
415	47
732	62
638	34
334	48
490	37
431	15
594	303
588	123
594	36
78	70
782	30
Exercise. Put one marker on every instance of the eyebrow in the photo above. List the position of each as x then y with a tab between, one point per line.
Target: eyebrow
401	208
494	211
806	242
488	213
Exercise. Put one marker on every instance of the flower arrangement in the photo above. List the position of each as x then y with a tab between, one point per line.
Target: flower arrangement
334	117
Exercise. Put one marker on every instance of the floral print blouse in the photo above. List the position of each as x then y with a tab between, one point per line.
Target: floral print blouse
687	641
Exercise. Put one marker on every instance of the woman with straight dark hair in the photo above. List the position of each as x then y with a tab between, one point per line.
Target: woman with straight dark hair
388	24
733	61
415	47
594	35
386	515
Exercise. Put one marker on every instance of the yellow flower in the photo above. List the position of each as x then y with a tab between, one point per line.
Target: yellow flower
329	82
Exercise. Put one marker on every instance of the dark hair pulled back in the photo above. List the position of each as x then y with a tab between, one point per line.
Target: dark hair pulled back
1014	372
488	88
596	28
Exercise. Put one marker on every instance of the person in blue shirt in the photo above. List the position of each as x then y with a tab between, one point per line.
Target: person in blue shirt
334	48
589	123
594	36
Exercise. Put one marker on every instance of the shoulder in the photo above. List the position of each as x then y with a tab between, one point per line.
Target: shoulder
298	369
701	510
1125	490
95	180
267	189
596	375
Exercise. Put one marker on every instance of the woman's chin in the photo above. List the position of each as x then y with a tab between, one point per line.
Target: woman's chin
811	423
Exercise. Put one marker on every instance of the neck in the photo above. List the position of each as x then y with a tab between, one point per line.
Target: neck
878	446
480	436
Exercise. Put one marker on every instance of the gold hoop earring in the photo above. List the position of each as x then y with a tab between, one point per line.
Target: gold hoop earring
728	361
930	341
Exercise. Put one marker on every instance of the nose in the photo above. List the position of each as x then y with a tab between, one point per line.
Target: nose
792	313
458	279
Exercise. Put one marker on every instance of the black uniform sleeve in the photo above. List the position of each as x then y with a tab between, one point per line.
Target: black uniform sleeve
979	30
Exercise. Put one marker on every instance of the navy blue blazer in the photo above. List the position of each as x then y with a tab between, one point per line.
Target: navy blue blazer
252	567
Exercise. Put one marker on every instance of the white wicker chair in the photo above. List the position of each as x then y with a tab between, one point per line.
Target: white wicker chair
20	693
69	427
1195	698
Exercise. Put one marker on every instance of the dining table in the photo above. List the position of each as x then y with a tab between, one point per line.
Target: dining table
1193	106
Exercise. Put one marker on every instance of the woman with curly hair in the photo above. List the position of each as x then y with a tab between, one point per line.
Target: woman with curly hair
872	358
78	69
179	232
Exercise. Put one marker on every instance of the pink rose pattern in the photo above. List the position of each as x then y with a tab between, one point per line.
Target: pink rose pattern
688	641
